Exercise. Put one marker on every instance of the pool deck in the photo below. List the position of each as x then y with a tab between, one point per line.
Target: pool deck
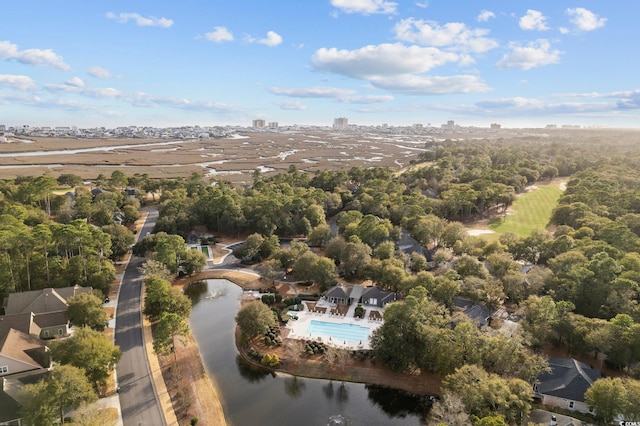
298	328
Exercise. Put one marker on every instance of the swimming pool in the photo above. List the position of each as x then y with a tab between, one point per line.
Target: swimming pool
339	331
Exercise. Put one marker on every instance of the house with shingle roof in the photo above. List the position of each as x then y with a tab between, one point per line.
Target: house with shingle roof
565	384
339	294
346	295
42	301
40	313
373	296
21	353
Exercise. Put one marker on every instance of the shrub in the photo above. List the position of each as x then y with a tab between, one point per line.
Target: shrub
270	360
268	299
292	301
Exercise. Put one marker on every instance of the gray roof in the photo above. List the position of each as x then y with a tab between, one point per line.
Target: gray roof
567	379
478	313
21	322
42	301
51	319
337	292
462	303
376	293
356	292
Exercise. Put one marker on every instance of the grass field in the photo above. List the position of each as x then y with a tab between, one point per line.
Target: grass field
530	211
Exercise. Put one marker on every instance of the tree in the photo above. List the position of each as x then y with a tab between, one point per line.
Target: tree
250	250
68	179
89	350
320	235
449	410
86	309
632	406
607	397
194	261
154	269
485	394
161	297
355	257
166	330
130	214
170	250
66	387
121	240
255	318
88	415
403	341
385	250
269	270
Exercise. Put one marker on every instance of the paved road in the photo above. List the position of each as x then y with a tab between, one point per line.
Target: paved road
138	399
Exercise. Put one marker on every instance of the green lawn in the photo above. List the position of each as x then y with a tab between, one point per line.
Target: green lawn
530	211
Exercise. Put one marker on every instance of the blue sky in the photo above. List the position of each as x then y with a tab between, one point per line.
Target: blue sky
206	62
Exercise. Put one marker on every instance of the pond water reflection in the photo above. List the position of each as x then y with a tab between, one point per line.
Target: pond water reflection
252	395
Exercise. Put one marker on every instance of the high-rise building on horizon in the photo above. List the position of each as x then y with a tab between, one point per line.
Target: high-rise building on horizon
259	123
341	123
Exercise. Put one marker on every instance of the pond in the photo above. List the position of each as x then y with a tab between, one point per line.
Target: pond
255	396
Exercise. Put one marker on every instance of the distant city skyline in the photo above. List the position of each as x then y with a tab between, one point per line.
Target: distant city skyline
196	62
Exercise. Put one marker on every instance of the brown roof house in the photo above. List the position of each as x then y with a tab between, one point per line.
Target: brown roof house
48	307
21	353
565	385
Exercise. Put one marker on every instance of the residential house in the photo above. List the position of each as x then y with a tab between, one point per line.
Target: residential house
47	307
21	353
565	385
477	313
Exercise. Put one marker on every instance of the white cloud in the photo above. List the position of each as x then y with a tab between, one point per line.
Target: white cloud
533	20
73	86
454	34
291	105
515	102
139	99
366	99
35	57
75	82
485	15
219	35
584	19
343	95
519	105
431	85
422	4
20	82
273	39
365	7
380	60
534	54
312	92
564	30
99	72
140	20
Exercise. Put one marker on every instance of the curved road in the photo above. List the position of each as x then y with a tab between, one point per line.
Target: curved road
138	399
